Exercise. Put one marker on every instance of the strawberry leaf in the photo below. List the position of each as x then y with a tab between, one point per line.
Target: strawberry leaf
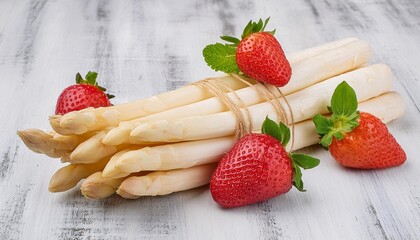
258	26
344	115
91	78
301	161
344	100
297	178
329	109
221	57
278	131
79	78
265	24
304	161
230	39
322	124
326	140
285	131
247	30
254	27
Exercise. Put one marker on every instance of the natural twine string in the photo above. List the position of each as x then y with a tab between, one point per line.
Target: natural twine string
235	104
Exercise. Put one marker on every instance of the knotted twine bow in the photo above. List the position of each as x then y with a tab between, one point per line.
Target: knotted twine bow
234	103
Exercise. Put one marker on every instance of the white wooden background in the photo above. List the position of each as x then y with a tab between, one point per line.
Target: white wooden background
141	48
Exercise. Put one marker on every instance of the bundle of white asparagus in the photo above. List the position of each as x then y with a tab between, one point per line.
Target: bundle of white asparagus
172	142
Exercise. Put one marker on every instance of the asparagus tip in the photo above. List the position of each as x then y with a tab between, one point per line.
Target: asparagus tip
140	129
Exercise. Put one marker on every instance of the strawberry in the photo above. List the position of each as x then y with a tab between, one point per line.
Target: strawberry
83	94
357	139
258	168
258	55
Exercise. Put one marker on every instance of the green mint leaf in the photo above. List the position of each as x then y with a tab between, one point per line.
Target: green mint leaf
91	78
280	132
221	57
230	39
304	161
297	178
344	100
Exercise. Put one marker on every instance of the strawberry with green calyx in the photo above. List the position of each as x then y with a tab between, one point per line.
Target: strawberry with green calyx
257	54
357	139
258	168
85	93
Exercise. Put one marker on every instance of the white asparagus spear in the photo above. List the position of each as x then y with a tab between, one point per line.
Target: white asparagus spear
328	64
313	51
50	143
166	182
368	82
97	187
305	73
111	164
92	150
387	107
93	119
67	177
166	157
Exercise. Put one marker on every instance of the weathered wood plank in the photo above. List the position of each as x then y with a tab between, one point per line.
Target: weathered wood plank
141	48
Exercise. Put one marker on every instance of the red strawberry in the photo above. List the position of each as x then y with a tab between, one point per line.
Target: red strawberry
84	94
357	140
258	168
258	55
369	145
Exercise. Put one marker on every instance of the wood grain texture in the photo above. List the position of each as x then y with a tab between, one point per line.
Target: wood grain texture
141	48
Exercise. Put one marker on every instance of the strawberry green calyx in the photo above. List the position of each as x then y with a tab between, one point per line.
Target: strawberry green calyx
90	79
278	131
344	116
253	27
222	57
282	133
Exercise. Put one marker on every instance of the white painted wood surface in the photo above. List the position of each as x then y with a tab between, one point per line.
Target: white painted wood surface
141	48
